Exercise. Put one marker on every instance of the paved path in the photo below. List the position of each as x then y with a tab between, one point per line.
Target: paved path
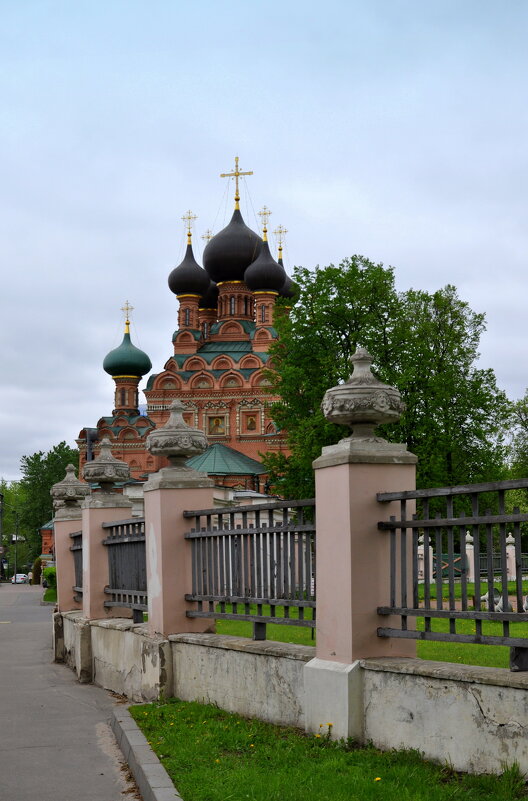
55	740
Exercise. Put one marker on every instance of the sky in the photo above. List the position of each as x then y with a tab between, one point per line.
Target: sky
396	129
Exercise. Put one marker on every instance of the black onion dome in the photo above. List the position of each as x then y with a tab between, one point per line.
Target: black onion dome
229	253
289	289
209	299
188	278
265	272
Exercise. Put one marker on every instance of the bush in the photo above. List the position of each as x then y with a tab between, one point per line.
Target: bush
50	576
37	569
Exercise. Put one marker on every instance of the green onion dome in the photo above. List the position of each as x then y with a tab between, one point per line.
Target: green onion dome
127	359
188	278
229	253
265	273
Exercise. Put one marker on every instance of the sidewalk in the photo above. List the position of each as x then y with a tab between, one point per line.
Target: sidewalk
56	743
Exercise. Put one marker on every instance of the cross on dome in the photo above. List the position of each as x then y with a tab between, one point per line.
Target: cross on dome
235	174
127	308
188	219
264	214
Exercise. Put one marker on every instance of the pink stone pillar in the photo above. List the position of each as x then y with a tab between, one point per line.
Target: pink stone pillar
352	553
63	527
98	509
168	494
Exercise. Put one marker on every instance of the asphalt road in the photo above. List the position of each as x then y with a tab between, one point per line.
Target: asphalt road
55	740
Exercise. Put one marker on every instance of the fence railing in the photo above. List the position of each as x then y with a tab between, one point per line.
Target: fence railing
127	569
446	514
256	559
76	549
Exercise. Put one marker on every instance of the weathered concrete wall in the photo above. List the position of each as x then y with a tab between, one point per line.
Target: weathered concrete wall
475	719
256	679
76	644
129	661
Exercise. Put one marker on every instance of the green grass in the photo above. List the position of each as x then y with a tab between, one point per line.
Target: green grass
50	595
512	589
212	755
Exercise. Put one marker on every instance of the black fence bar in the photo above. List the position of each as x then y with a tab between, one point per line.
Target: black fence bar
254	563
127	567
445	517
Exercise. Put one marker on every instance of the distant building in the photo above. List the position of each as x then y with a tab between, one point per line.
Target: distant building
218	365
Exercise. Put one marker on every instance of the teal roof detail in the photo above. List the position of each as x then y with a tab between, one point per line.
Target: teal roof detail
225	347
196	334
247	325
132	419
127	360
219	460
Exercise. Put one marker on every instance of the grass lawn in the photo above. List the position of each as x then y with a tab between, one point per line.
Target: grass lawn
212	755
50	595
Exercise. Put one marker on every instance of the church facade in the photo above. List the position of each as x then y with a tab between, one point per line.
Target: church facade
218	367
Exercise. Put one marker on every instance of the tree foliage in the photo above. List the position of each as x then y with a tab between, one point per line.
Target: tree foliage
39	472
424	343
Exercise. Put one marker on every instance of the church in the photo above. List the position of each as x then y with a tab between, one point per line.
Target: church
218	364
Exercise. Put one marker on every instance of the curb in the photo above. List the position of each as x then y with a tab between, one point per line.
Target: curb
151	777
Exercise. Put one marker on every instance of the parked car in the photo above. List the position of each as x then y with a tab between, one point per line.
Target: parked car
20	578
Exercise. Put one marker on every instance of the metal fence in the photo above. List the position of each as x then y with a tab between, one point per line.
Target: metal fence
127	569
76	549
256	559
483	509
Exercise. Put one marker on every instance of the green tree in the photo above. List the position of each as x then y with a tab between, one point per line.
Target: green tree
424	343
39	472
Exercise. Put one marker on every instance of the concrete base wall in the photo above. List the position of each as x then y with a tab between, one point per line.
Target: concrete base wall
474	719
256	679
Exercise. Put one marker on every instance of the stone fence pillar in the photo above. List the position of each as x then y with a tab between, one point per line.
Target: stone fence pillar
104	506
353	555
168	493
470	556
67	496
421	560
510	557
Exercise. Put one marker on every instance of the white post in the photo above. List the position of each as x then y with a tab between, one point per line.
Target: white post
470	551
510	557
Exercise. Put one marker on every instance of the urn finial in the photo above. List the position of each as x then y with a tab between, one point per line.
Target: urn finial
176	440
363	402
70	491
106	470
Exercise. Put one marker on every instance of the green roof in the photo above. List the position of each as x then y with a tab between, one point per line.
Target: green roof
225	347
219	460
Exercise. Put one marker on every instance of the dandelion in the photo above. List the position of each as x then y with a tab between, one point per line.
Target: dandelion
377	779
320	725
251	745
217	761
317	735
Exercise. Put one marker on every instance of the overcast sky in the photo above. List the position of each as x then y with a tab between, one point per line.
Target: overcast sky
395	129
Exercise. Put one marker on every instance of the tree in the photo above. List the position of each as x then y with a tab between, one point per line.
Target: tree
425	344
39	472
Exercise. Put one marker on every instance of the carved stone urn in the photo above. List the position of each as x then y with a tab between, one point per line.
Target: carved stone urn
176	440
106	470
69	492
363	402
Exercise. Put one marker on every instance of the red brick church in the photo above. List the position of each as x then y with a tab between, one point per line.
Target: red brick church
218	367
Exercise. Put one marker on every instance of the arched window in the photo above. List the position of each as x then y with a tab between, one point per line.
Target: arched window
246	311
122	397
263	314
187	317
205	330
231	305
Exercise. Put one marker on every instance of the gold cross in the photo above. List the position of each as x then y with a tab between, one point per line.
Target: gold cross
280	232
265	215
188	218
208	235
235	174
127	308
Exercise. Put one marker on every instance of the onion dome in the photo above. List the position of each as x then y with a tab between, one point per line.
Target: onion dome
209	299
188	278
265	272
127	359
229	253
289	288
